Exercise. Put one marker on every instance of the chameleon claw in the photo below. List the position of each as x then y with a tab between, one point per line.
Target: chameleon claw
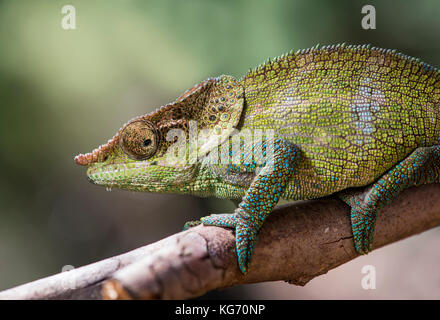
191	224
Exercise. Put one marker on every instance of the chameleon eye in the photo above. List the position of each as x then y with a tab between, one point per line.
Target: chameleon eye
147	142
139	140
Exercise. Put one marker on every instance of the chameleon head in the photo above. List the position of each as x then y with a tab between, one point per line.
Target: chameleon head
134	159
139	156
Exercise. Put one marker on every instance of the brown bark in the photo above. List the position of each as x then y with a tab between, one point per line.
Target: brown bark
298	242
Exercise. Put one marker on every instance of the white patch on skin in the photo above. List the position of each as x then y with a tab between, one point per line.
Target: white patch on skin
364	91
365	80
431	114
378	96
364	108
363	115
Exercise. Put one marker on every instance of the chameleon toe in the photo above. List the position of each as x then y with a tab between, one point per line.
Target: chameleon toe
191	224
224	220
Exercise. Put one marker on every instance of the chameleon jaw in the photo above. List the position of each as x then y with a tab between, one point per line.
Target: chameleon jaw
143	176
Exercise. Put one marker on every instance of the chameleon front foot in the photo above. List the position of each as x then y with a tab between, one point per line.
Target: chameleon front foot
245	235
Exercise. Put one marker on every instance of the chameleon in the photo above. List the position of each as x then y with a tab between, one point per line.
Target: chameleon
357	121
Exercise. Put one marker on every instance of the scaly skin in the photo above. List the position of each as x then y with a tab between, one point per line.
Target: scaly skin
338	117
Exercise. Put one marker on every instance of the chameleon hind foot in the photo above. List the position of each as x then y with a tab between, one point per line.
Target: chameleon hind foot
245	234
363	218
363	221
422	166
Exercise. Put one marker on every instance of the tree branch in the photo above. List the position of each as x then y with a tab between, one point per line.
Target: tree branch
298	242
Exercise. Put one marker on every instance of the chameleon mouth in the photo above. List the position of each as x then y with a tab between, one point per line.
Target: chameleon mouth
89	179
95	177
109	174
120	174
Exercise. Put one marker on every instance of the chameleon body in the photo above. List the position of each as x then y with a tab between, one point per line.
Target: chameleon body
335	119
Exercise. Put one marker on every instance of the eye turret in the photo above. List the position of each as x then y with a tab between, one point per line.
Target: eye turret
139	140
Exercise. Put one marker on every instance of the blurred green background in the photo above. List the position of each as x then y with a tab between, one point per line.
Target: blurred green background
63	92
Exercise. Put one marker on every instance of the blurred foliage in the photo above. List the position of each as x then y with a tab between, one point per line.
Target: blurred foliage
64	92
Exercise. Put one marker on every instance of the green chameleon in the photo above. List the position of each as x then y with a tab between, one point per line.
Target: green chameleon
330	119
